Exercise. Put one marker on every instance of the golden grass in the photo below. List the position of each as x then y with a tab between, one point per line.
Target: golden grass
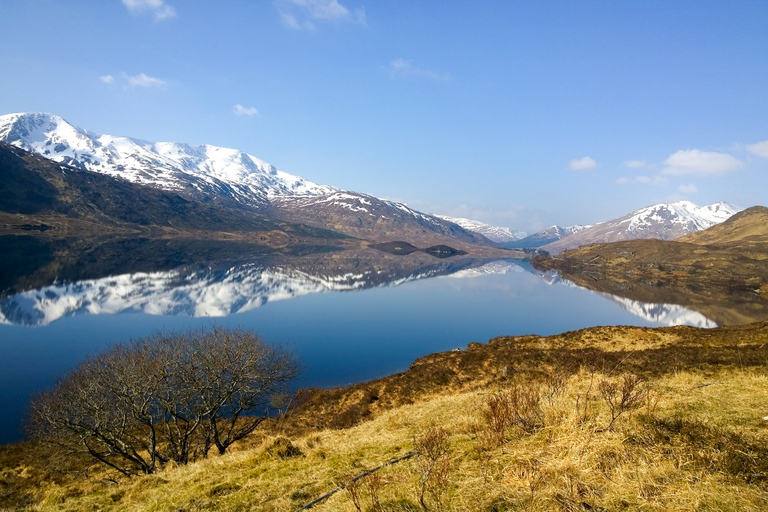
694	444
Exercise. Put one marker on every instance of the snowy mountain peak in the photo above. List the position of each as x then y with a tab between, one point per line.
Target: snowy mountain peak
495	233
168	165
665	221
685	214
545	236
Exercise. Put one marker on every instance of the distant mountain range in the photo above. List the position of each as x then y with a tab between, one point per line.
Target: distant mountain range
209	176
544	237
494	233
39	194
661	221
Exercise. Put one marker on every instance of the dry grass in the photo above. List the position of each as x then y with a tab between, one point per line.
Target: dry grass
552	436
687	446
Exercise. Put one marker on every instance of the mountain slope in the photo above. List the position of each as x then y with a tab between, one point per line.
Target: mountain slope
374	219
216	175
196	170
37	190
699	398
662	221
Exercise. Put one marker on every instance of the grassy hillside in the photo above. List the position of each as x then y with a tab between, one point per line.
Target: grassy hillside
608	418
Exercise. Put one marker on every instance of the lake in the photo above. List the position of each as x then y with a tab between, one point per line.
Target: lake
348	315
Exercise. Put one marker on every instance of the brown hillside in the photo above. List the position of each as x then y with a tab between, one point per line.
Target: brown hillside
750	225
726	264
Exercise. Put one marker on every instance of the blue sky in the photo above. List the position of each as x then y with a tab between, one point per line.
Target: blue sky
518	113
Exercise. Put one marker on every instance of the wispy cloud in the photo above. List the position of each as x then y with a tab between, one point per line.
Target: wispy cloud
141	80
401	68
759	149
694	161
634	164
690	188
240	110
656	181
158	8
304	14
582	164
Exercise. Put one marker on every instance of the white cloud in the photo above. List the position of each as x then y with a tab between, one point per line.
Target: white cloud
694	161
402	68
690	188
158	8
142	80
759	149
240	110
302	14
634	164
582	164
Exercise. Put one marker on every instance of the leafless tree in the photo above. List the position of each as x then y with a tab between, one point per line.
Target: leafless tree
168	397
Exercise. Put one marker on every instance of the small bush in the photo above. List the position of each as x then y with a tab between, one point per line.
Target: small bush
283	447
627	395
434	465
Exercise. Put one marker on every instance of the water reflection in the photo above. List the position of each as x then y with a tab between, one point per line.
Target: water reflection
668	304
189	277
46	280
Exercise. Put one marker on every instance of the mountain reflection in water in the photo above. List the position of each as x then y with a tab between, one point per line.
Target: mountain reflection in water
45	281
190	277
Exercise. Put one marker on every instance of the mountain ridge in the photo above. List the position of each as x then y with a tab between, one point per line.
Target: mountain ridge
544	237
664	221
170	166
37	190
495	233
214	175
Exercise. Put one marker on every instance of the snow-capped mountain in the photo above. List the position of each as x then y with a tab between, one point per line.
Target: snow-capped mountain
545	236
205	172
166	165
663	221
491	232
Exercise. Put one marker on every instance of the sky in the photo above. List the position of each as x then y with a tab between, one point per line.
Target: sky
517	113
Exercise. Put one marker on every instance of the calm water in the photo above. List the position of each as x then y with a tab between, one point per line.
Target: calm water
348	316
